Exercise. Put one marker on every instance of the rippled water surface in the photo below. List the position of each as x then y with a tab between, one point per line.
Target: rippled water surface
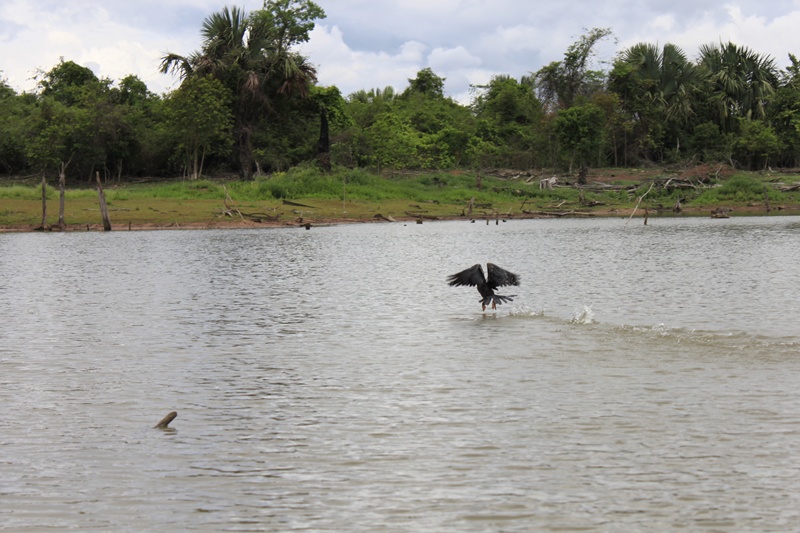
645	378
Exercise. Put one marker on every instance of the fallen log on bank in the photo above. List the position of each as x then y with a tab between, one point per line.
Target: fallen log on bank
230	210
289	202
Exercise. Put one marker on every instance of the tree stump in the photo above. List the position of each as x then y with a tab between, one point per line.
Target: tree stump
103	207
44	203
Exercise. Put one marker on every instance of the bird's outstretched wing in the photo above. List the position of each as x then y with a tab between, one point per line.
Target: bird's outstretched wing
499	277
472	276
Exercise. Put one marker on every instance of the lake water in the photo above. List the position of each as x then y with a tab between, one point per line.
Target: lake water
645	378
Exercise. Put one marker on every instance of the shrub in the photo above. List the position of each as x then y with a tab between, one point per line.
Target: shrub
738	189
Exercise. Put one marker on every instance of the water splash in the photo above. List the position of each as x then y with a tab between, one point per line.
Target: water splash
523	311
584	316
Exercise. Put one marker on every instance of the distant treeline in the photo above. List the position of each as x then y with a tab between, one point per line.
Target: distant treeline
248	102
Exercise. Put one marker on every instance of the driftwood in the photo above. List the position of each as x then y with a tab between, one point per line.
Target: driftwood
230	207
231	210
387	218
638	202
254	217
164	424
289	202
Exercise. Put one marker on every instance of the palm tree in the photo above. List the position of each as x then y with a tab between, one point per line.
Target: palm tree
740	80
668	78
659	87
252	56
375	96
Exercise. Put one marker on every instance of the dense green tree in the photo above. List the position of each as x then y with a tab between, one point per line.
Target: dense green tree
151	145
434	128
580	131
756	144
200	120
80	124
438	121
618	126
53	136
133	91
426	83
709	144
5	89
330	105
507	100
76	122
362	109
364	106
783	113
14	117
393	143
253	56
510	116
66	75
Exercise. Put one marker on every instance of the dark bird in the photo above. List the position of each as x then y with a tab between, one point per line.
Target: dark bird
473	276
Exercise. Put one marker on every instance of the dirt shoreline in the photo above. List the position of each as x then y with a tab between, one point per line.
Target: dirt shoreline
323	221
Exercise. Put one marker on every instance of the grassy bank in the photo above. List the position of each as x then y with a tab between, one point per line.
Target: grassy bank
308	195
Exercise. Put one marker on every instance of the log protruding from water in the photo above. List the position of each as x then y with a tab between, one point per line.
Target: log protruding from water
164	424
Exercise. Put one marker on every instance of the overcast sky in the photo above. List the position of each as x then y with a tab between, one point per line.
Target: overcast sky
363	44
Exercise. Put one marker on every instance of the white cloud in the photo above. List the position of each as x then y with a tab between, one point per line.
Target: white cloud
352	70
373	43
452	58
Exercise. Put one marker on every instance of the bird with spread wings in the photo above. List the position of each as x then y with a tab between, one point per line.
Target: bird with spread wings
498	277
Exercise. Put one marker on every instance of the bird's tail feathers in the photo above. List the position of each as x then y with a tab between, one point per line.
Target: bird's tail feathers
498	299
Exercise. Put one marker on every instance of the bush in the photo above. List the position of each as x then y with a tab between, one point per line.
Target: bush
737	190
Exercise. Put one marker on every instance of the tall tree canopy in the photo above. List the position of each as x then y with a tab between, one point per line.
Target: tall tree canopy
249	101
560	82
741	82
251	54
665	78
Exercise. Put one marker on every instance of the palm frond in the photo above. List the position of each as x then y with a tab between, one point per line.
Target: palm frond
176	65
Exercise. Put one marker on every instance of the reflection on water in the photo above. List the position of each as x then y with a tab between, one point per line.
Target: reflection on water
643	379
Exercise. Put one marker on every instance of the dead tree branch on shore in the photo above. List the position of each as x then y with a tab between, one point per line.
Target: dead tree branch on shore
231	210
639	201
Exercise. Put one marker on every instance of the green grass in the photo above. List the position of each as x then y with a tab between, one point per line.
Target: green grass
359	194
739	190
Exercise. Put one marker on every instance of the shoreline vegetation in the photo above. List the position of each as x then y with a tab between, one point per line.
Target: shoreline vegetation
307	197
